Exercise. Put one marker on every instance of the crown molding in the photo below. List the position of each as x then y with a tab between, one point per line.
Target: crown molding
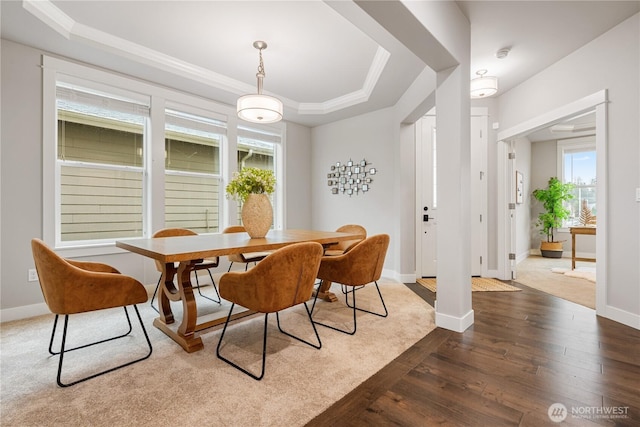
353	98
48	13
60	22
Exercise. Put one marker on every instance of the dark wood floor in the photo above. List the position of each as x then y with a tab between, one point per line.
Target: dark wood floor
526	351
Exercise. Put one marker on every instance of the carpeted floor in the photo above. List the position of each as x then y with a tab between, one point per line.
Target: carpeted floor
536	272
175	388
478	284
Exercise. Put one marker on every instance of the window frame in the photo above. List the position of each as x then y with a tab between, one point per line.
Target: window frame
111	100
563	146
54	70
197	112
273	134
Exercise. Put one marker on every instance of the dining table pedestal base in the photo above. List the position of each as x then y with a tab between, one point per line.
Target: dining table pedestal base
323	292
189	343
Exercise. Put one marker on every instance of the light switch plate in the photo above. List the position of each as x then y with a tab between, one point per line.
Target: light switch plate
637	194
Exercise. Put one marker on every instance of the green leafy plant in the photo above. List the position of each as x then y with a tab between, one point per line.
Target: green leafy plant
553	198
251	181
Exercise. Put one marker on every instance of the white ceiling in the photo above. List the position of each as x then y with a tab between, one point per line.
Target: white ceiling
325	60
574	127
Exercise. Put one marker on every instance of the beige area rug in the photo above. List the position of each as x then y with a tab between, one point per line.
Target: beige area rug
175	388
588	273
478	284
538	273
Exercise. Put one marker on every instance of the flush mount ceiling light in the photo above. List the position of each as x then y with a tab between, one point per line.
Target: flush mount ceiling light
482	87
580	127
259	108
503	53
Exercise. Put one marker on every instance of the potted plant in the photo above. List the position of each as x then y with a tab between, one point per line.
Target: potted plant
251	187
553	198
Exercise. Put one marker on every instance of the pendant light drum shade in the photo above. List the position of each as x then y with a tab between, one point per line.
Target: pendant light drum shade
483	86
258	108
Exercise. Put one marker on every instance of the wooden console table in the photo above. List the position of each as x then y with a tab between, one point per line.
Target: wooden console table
579	230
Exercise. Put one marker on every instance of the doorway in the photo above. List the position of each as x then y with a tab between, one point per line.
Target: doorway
507	233
427	188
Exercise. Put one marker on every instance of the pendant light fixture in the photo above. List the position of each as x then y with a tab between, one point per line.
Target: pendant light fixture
483	86
259	108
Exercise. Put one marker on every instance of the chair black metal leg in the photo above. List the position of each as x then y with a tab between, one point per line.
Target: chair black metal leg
386	313
318	346
344	290
264	348
53	332
214	287
229	269
353	292
355	325
315	299
154	295
62	350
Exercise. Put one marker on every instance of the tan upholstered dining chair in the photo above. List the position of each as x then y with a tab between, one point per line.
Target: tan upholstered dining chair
358	267
283	279
246	258
344	246
205	264
72	287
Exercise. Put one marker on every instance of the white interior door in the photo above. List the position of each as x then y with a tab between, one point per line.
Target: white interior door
427	205
478	192
426	194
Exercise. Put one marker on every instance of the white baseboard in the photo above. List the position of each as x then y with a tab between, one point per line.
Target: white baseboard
492	274
26	311
453	323
522	256
23	312
620	316
565	254
407	278
399	277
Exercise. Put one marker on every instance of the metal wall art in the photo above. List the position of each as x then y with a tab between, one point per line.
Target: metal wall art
350	177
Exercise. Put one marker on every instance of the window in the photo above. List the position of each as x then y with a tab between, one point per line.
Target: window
192	171
123	158
261	149
99	165
577	165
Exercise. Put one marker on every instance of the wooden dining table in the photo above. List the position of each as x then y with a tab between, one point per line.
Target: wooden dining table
180	254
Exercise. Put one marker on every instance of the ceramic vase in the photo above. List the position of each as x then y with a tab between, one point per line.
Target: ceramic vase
257	215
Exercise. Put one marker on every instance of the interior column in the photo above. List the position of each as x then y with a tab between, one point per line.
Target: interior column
453	303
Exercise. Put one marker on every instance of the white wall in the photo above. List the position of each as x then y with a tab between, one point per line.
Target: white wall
491	104
369	136
544	165
21	201
610	62
298	179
